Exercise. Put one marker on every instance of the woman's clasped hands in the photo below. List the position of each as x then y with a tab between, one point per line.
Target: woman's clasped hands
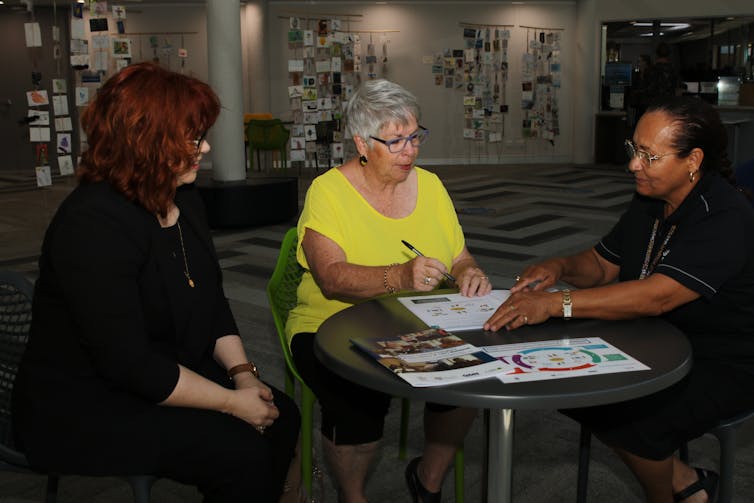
252	401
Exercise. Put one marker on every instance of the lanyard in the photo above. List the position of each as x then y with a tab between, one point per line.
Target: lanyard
647	268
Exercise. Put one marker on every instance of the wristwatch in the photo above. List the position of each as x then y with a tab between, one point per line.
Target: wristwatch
244	367
567	305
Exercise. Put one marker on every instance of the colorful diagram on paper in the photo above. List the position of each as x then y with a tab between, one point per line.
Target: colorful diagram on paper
554	359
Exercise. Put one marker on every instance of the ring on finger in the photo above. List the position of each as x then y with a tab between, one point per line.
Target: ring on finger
526	320
512	307
427	280
260	429
517	277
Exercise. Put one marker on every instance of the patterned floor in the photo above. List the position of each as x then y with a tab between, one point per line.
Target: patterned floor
511	215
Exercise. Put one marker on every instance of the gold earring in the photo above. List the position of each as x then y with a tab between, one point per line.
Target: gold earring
363	160
692	176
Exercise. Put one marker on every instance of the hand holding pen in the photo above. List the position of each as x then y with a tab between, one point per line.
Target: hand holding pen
427	279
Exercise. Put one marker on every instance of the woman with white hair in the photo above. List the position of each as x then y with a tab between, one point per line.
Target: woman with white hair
350	233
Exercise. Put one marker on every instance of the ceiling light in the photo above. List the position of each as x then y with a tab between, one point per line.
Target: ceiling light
669	26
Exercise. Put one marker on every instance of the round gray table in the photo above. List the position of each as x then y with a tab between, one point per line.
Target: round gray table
652	341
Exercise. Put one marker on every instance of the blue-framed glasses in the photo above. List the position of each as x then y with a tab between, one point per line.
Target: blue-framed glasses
397	145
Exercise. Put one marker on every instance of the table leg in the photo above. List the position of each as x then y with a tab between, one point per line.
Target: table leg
500	465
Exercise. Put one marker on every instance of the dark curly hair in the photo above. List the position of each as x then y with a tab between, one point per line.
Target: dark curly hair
139	130
697	125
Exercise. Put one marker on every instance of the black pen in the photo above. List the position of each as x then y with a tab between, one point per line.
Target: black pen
410	247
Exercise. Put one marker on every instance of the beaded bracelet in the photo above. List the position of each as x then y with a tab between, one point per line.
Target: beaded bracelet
388	288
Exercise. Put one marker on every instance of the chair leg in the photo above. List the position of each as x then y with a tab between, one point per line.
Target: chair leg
307	425
51	495
141	486
290	384
727	438
585	440
403	440
459	474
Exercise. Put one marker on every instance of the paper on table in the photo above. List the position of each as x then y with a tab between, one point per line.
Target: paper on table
454	311
433	357
558	359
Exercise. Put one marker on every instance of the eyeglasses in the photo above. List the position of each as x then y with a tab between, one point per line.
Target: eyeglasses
645	158
397	145
198	141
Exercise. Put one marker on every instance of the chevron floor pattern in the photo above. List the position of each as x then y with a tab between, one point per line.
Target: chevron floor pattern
512	216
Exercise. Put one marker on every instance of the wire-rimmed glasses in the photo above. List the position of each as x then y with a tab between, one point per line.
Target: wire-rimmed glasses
397	145
645	158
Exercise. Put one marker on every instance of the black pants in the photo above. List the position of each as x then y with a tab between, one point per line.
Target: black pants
226	458
656	425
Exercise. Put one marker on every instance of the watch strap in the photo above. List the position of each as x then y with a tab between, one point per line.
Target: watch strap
244	367
567	304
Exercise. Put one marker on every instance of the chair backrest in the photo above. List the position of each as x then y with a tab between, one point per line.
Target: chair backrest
15	321
267	134
745	176
281	290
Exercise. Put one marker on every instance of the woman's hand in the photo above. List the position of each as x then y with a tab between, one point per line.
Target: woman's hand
538	277
422	274
472	282
252	402
527	307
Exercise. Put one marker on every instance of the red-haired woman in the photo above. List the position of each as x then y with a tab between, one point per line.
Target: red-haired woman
133	364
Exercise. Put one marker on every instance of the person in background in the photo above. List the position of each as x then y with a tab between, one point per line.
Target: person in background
684	250
350	233
660	80
134	365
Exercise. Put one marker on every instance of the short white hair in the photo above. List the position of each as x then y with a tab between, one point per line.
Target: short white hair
376	104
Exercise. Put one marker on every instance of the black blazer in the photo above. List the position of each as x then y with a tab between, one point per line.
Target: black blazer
110	324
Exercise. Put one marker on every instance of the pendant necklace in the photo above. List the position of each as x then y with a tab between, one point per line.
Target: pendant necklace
185	262
647	268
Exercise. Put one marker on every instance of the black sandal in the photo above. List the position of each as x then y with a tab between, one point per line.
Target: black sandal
706	481
419	493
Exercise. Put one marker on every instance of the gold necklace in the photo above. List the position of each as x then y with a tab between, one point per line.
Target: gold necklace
185	262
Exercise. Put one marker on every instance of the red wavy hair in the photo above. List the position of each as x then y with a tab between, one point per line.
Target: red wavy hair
140	129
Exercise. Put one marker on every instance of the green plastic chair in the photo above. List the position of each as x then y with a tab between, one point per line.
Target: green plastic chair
266	134
281	294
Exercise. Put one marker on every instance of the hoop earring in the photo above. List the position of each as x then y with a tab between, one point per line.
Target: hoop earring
363	160
692	176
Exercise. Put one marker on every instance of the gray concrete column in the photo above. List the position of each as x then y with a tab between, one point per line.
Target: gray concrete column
586	92
225	77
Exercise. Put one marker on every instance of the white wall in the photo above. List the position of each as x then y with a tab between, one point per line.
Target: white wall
424	29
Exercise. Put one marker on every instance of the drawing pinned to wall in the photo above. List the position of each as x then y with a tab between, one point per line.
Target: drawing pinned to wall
540	82
65	165
119	12
480	70
121	47
44	177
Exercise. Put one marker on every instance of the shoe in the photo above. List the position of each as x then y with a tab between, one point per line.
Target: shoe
418	493
706	481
